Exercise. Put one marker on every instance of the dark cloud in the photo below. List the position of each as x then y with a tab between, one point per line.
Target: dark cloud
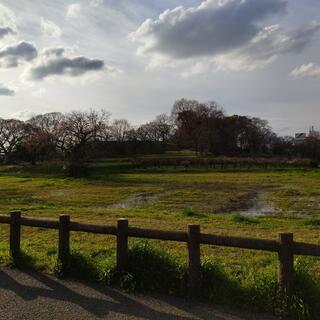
5	31
12	55
211	28
4	91
54	62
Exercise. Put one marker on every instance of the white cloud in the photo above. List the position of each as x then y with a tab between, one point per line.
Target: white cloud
6	91
22	115
219	35
7	18
211	28
307	70
38	93
8	29
266	46
96	3
49	28
74	10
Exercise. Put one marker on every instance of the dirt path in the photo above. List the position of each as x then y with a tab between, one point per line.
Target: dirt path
33	296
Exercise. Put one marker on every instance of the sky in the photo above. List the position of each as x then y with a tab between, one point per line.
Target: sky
134	58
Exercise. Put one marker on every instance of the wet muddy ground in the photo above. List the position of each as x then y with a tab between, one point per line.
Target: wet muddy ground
255	203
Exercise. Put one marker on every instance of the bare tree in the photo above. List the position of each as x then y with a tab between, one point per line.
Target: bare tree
163	127
50	127
12	133
142	132
37	145
119	130
80	129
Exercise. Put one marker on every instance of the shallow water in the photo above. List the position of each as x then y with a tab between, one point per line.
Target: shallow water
137	200
259	207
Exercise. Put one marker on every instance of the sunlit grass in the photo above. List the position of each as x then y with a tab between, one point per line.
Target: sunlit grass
212	199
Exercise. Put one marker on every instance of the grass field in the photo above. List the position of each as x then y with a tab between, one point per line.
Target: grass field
165	200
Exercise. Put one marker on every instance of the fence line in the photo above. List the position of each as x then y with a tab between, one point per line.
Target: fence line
285	246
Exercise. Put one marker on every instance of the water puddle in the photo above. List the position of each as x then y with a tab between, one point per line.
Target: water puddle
138	200
260	206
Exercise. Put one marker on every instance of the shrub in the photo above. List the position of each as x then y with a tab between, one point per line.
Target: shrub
149	269
216	285
78	265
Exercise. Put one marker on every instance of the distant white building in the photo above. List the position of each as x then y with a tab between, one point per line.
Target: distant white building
302	136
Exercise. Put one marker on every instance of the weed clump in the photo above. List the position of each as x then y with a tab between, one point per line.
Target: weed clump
189	212
312	222
306	293
239	218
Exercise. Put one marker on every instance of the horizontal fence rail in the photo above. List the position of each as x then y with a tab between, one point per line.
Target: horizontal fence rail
285	246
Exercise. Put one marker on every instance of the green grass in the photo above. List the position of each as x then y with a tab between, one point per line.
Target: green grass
312	222
188	212
213	199
238	218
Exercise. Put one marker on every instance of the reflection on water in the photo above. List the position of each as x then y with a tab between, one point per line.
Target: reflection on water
259	207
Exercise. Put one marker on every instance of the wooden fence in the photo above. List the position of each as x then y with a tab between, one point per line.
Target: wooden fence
285	246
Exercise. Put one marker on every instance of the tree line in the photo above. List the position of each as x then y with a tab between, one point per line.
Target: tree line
205	128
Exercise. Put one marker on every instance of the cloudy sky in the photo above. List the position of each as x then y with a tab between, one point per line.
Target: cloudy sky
136	57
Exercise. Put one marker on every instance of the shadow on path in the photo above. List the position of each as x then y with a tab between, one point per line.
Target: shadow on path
99	301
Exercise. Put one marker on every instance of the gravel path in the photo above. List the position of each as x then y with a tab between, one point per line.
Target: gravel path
32	296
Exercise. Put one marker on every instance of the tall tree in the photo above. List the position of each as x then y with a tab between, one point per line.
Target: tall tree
196	123
80	129
119	130
12	133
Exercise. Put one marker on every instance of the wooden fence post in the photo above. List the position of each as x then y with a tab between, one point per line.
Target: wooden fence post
15	233
194	257
122	243
286	269
64	239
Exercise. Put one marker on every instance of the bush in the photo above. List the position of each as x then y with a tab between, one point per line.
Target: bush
149	269
78	265
216	285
